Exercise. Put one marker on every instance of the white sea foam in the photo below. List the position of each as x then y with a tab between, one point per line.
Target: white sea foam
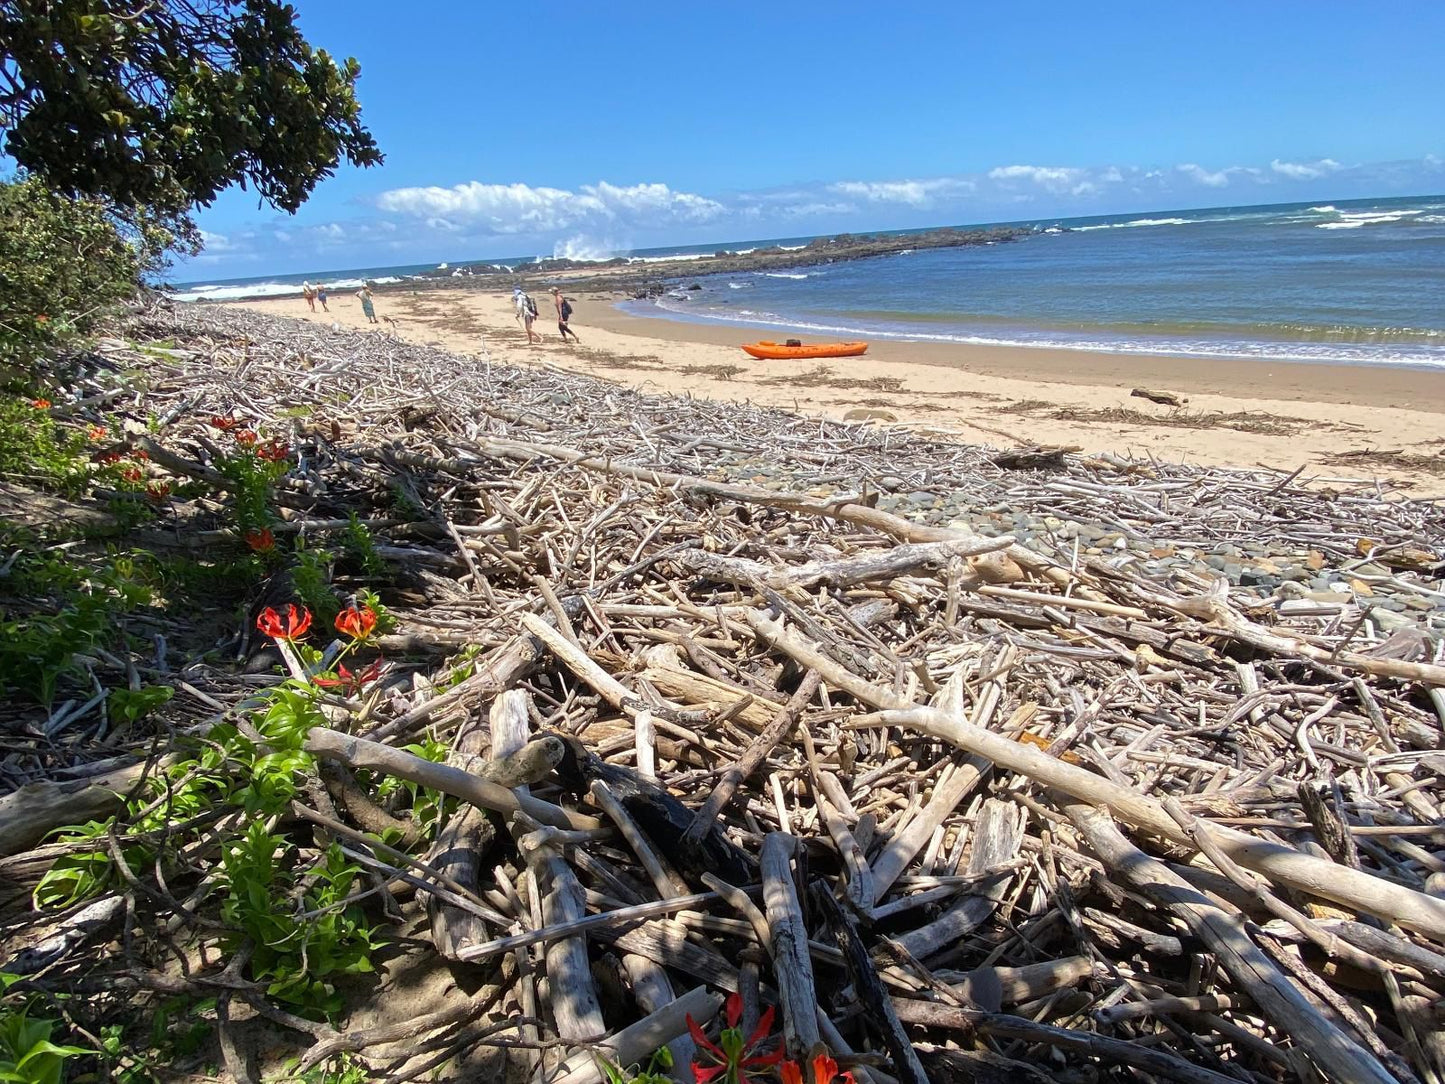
231	291
581	249
1327	209
1351	220
738	285
1140	222
792	248
669	259
784	275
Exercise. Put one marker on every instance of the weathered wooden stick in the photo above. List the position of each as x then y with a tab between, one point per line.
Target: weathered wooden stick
633	1043
360	753
577	660
871	991
1337	1055
1015	984
652	990
459	843
883	564
665	942
622	915
1118	1051
757	752
493	675
571	994
669	885
788	946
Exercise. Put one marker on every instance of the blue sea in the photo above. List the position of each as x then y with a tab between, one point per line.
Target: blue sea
1358	281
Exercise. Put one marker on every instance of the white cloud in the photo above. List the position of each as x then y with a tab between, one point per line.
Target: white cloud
913	193
216	242
1200	175
522	208
812	210
1049	178
1305	171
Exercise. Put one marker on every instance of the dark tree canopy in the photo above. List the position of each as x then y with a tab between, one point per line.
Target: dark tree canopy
163	103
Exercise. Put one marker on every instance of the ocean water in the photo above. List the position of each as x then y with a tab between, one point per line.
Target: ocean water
1359	281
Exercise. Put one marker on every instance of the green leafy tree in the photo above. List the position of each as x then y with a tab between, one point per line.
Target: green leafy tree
161	104
65	264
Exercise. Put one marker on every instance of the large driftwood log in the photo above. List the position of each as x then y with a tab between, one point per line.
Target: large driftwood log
788	946
881	564
1158	1063
1336	1054
632	1044
459	845
1164	398
871	991
360	753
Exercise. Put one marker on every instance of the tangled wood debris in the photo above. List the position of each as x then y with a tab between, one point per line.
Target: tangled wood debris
963	804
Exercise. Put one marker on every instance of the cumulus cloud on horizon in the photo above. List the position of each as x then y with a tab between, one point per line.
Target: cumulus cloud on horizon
521	208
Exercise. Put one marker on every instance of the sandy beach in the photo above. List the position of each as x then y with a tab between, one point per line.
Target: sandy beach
1386	423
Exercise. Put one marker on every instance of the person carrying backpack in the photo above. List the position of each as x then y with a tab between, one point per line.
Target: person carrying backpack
526	312
564	313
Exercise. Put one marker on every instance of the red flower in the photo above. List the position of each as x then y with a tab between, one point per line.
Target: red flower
295	626
825	1071
97	433
245	437
131	474
352	683
223	423
108	457
42	319
274	452
158	491
736	1057
261	539
41	403
141	454
356	623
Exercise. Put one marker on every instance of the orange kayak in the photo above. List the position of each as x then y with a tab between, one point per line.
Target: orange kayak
781	351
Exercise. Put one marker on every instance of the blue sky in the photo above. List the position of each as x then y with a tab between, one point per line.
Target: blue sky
585	128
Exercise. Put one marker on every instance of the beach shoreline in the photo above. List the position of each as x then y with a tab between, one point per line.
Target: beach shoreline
1244	413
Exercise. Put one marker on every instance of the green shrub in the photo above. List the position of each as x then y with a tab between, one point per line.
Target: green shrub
65	266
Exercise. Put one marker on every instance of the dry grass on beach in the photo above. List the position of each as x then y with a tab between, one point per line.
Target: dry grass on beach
1241	421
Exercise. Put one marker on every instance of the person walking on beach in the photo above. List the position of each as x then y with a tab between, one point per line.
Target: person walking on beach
366	306
321	297
564	313
527	310
309	294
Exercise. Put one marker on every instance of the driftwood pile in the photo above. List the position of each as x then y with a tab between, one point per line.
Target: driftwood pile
961	808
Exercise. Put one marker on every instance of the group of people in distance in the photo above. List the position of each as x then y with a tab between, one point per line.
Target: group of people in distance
526	313
526	308
316	293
